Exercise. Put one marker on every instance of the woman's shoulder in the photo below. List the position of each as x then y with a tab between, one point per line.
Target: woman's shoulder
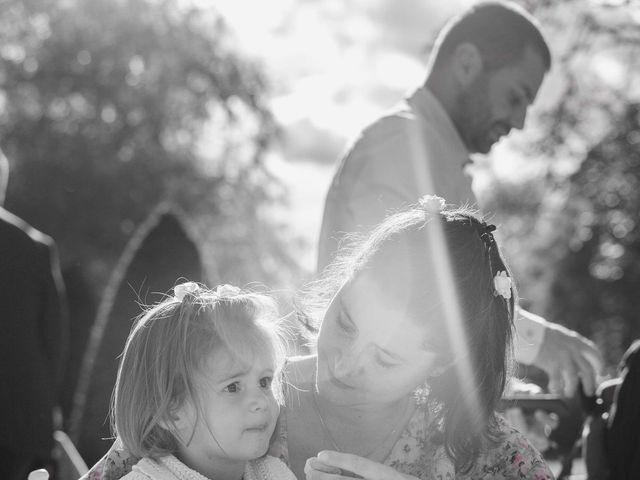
512	456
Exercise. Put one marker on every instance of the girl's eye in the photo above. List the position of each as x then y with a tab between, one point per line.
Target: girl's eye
232	387
265	382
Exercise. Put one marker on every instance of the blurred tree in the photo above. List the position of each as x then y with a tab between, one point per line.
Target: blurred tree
569	227
143	272
597	281
110	107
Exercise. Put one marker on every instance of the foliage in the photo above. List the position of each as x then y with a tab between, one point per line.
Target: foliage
112	107
596	282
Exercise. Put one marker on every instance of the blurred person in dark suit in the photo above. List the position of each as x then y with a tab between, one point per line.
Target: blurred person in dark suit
33	341
622	439
611	439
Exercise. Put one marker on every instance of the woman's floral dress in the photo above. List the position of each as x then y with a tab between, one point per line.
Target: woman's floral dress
418	453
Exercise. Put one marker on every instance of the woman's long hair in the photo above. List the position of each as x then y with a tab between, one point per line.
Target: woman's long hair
466	401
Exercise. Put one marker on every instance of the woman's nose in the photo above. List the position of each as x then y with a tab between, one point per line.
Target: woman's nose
349	363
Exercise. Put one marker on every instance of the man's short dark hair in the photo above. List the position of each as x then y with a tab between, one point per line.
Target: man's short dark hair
501	31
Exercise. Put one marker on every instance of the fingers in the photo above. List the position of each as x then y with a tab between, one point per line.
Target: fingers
314	469
40	474
355	466
314	464
549	421
593	356
556	380
567	370
569	358
515	417
350	465
570	377
587	374
577	366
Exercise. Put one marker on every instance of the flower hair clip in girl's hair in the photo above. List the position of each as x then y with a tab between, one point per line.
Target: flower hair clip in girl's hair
226	290
502	285
179	291
486	234
432	203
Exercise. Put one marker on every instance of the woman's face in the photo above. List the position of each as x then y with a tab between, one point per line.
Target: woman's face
369	349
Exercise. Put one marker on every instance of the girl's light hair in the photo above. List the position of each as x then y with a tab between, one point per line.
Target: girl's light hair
169	345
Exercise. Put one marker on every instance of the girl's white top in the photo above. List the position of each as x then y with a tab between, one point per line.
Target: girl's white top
170	468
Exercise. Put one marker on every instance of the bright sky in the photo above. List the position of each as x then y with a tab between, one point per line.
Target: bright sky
335	65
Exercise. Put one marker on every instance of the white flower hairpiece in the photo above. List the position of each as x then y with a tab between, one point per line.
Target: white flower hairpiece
432	203
179	291
226	290
502	285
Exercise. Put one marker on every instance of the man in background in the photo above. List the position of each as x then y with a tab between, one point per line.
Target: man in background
484	71
33	340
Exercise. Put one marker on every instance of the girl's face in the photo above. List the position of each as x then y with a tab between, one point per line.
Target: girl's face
238	412
369	349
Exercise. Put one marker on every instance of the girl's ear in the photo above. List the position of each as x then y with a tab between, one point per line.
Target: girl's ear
466	63
178	420
170	423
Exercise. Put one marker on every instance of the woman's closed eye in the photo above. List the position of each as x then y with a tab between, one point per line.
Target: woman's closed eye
346	324
384	362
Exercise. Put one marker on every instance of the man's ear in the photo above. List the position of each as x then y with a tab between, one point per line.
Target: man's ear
467	63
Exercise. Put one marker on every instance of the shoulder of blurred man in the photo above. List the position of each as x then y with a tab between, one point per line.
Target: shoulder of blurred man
367	148
15	229
415	129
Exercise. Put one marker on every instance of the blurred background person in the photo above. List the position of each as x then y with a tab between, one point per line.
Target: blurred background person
612	437
33	339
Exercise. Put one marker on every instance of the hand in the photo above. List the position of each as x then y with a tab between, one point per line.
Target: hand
330	465
568	357
40	474
536	427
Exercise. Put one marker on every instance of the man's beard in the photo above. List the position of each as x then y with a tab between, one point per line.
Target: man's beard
472	118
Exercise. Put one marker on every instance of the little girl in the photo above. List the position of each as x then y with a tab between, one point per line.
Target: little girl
194	397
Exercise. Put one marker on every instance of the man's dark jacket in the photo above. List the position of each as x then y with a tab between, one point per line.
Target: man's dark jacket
33	336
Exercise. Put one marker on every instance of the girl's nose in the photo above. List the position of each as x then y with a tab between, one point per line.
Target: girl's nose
258	400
